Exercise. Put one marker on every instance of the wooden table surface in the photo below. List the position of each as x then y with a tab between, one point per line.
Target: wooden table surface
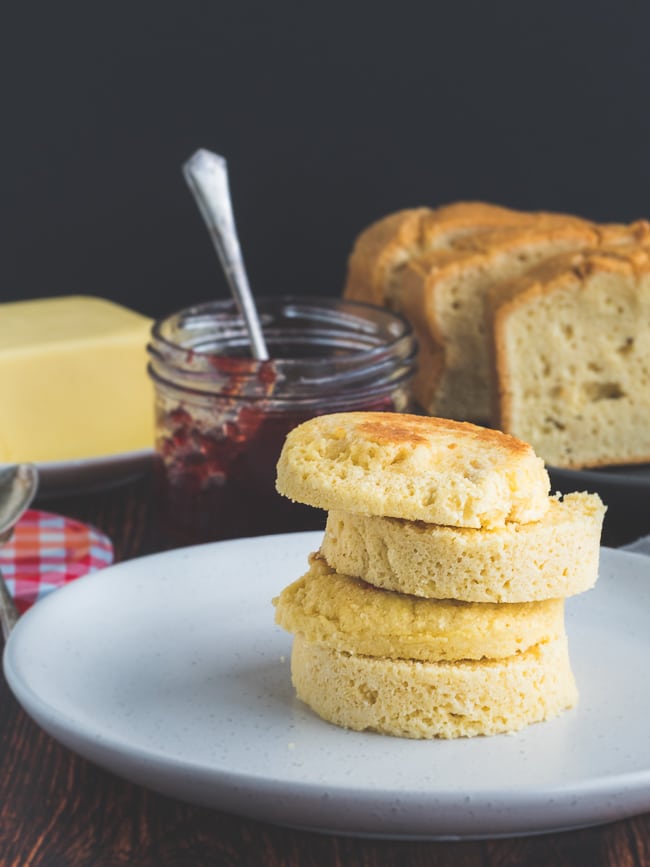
57	809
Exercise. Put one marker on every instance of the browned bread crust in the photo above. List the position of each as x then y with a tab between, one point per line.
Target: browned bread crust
388	243
435	266
581	322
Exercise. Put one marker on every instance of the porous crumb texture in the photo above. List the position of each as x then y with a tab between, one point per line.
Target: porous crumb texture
453	297
554	557
434	700
413	467
435	266
349	615
572	356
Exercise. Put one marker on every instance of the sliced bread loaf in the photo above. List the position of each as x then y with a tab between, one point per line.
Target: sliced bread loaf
572	357
388	243
443	294
436	268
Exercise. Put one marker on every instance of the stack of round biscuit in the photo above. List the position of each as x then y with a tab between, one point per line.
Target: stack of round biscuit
435	606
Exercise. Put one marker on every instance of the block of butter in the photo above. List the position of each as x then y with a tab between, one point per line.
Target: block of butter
73	380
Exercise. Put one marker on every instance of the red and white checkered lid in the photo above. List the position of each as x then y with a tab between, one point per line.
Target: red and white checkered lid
47	551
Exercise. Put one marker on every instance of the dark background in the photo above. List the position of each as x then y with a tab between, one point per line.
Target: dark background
331	115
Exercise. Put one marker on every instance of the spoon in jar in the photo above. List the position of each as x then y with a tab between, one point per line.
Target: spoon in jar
206	174
18	485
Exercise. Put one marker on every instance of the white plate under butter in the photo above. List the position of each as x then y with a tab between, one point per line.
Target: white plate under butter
169	671
61	478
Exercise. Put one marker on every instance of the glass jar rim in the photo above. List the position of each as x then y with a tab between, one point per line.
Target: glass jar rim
394	323
363	345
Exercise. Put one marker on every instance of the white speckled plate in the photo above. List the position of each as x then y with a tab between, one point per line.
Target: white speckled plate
169	670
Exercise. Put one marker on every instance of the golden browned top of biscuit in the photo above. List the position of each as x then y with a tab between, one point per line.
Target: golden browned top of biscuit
413	467
402	428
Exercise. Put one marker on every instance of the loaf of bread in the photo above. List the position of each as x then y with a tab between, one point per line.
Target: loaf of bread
383	248
572	357
554	557
422	265
414	467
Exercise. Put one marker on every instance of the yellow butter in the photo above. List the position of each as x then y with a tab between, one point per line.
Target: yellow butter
73	380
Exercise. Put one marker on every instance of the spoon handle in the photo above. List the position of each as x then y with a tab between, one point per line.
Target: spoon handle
8	611
18	486
206	174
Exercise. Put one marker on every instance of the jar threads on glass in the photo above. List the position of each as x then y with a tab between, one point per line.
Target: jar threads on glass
222	417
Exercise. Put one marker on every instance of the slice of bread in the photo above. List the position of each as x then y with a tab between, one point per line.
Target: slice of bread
349	615
386	245
443	295
572	357
435	267
412	699
413	467
551	558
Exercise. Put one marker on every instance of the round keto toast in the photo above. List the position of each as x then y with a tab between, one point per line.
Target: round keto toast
349	615
411	699
413	467
551	558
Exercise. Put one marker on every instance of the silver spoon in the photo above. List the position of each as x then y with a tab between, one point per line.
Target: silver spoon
18	485
206	174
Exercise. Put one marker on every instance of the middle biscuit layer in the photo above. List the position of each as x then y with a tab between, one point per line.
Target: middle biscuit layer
547	559
352	616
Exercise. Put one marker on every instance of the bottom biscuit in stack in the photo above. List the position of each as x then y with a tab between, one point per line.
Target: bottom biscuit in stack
413	699
372	659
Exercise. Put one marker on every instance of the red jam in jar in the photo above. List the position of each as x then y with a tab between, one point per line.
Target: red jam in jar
222	417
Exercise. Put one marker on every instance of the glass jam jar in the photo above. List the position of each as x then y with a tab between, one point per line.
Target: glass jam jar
222	417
